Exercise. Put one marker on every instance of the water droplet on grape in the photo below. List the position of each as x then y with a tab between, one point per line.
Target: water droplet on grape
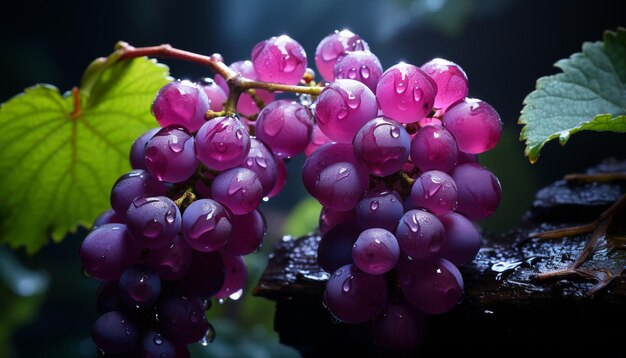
365	72
352	73
157	339
374	205
395	132
418	93
170	216
342	113
262	162
175	145
347	284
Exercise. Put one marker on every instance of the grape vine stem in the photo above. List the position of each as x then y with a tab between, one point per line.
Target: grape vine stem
236	82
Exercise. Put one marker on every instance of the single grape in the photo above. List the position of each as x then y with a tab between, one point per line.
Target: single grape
246	105
317	139
326	155
433	286
238	189
434	191
334	45
235	279
139	286
353	296
206	225
247	234
133	184
405	93
335	247
399	328
263	163
281	178
279	59
206	274
171	155
215	93
380	208
155	345
382	146
462	239
107	251
362	66
475	125
434	148
479	191
181	103
153	221
114	332
222	143
285	126
330	218
171	261
343	107
181	317
451	80
375	251
341	185
137	149
420	234
108	217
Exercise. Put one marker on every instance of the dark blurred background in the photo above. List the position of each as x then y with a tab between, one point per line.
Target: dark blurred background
47	307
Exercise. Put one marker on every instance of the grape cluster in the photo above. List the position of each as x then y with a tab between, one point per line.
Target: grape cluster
392	159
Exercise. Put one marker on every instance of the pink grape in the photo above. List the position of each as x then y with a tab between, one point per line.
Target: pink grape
181	103
375	251
434	191
333	46
475	125
285	126
279	59
420	234
451	80
382	146
434	148
238	189
222	143
215	93
479	191
170	155
362	66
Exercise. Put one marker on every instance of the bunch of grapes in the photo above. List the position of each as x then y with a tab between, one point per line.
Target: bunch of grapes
394	165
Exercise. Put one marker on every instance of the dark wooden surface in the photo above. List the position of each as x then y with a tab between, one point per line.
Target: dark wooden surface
506	311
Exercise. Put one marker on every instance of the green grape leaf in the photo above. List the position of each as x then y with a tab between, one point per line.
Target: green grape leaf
58	164
590	94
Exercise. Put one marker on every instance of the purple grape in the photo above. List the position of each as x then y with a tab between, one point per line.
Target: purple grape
222	143
326	155
157	346
206	274
181	317
353	296
133	184
108	217
263	163
375	251
172	261
108	297
434	191
433	286
462	239
334	45
399	328
171	155
318	139
114	332
434	148
335	248
215	93
181	103
153	221
285	126
475	125
343	107
479	191
362	66
380	208
246	104
107	251
206	225
238	189
279	59
235	279
420	234
341	185
137	149
139	286
330	218
405	93
247	235
382	146
451	80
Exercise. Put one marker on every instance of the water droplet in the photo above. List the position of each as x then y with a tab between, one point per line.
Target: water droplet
262	162
239	134
374	205
152	229
352	73
365	72
170	216
342	113
249	161
176	145
236	295
418	93
413	222
400	85
157	339
343	172
347	284
432	190
395	132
